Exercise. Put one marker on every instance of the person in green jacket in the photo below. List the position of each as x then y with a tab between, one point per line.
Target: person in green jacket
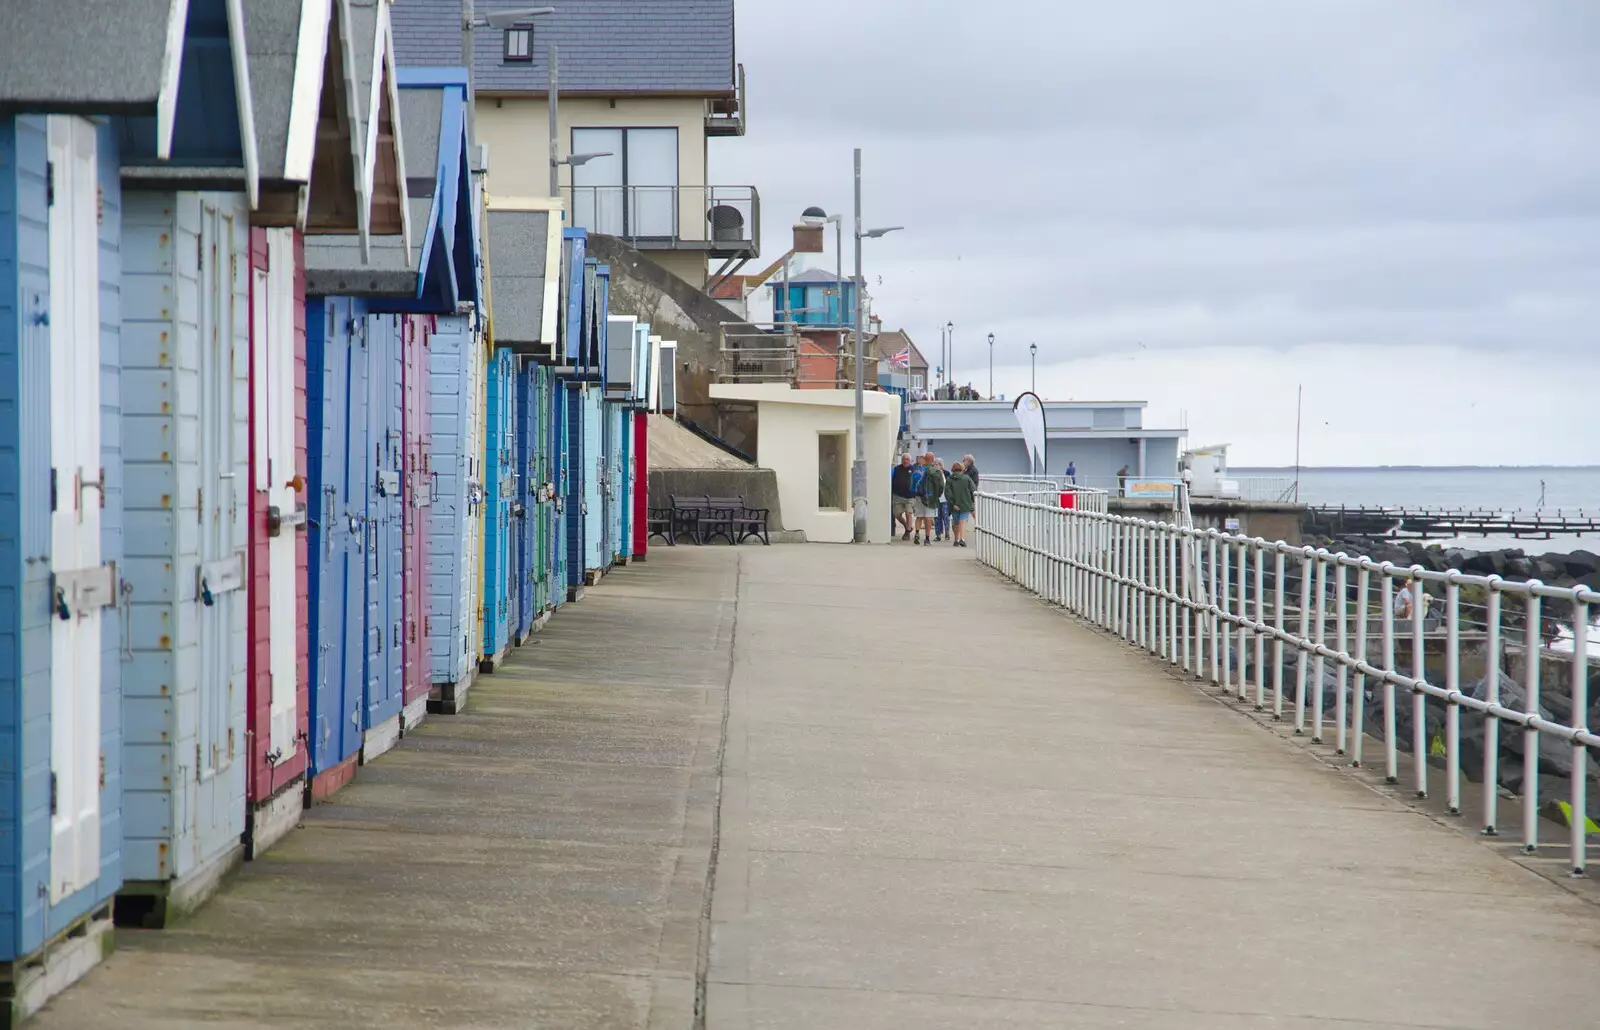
962	494
933	480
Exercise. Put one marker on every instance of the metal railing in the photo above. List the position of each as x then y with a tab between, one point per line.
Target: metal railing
1046	490
767	352
720	217
1213	604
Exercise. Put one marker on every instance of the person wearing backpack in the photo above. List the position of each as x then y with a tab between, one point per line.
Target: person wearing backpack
962	501
929	492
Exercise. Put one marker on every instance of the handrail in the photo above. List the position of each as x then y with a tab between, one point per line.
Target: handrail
715	215
1207	601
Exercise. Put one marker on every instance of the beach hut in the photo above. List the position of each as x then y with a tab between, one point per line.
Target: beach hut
355	424
499	481
643	360
620	396
187	201
288	50
442	382
62	490
525	250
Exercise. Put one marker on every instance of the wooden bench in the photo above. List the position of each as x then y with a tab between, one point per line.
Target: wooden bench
742	521
660	523
696	517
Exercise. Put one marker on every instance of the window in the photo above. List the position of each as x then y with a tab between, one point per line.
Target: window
519	43
916	382
631	192
833	475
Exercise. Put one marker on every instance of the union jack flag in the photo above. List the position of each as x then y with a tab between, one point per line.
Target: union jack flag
902	359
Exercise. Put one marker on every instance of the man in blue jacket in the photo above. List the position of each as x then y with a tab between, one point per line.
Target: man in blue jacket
903	499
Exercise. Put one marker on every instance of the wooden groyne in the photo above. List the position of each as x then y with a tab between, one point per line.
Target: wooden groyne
1425	523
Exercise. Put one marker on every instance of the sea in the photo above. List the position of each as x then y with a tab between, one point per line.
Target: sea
1527	488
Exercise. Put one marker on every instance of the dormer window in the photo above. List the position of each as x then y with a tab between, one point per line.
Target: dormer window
519	43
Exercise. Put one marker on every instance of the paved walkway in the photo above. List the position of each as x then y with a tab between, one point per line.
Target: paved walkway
942	806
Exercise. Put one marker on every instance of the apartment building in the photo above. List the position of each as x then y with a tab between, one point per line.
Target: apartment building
642	86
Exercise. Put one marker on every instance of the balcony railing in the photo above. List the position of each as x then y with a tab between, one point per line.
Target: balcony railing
775	353
725	115
721	220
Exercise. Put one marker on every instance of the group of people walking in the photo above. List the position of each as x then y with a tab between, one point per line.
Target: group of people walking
930	505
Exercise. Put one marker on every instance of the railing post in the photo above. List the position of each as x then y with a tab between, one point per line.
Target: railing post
1533	643
1319	584
1243	611
1174	603
1215	619
1419	699
1277	625
1341	590
1225	607
1261	621
1305	634
1491	725
1580	721
1452	683
1359	681
1391	751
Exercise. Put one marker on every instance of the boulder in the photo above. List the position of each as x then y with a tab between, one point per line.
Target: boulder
1579	563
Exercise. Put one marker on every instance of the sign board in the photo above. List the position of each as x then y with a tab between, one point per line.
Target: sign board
1149	488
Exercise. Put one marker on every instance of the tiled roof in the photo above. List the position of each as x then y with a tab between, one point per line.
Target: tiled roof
606	46
83	55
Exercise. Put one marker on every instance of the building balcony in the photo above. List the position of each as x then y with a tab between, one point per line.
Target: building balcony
718	221
725	115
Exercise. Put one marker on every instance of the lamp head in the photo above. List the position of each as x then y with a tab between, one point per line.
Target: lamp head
582	159
873	234
991	339
511	15
814	215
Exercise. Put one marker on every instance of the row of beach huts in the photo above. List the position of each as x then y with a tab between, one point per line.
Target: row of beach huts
300	431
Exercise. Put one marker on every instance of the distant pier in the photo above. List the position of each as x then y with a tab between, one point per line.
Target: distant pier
1424	523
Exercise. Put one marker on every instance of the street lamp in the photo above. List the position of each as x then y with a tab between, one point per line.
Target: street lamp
1033	366
858	471
950	357
503	19
991	366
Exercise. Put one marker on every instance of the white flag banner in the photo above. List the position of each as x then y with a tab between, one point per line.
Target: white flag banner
1030	418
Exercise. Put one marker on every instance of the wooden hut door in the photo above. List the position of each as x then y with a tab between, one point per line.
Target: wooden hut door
81	585
220	576
279	447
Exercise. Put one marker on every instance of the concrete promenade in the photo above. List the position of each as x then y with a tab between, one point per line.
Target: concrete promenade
942	805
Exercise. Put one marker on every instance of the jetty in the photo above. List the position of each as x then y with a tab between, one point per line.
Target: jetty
1425	523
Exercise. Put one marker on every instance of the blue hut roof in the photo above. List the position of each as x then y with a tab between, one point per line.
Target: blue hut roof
441	272
208	141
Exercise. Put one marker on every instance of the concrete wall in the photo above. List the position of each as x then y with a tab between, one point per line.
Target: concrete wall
676	310
790	424
758	487
1254	518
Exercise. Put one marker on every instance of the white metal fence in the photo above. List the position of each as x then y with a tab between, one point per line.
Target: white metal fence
1045	490
1230	608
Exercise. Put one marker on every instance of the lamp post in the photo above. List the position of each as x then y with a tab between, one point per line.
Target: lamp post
858	471
493	20
950	358
991	366
1033	367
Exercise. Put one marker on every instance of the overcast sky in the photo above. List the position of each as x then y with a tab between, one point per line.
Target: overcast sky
1204	203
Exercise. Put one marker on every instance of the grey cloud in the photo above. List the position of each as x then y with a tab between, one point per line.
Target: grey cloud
1189	174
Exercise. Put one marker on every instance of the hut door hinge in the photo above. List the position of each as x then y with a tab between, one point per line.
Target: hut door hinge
53	805
50	190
